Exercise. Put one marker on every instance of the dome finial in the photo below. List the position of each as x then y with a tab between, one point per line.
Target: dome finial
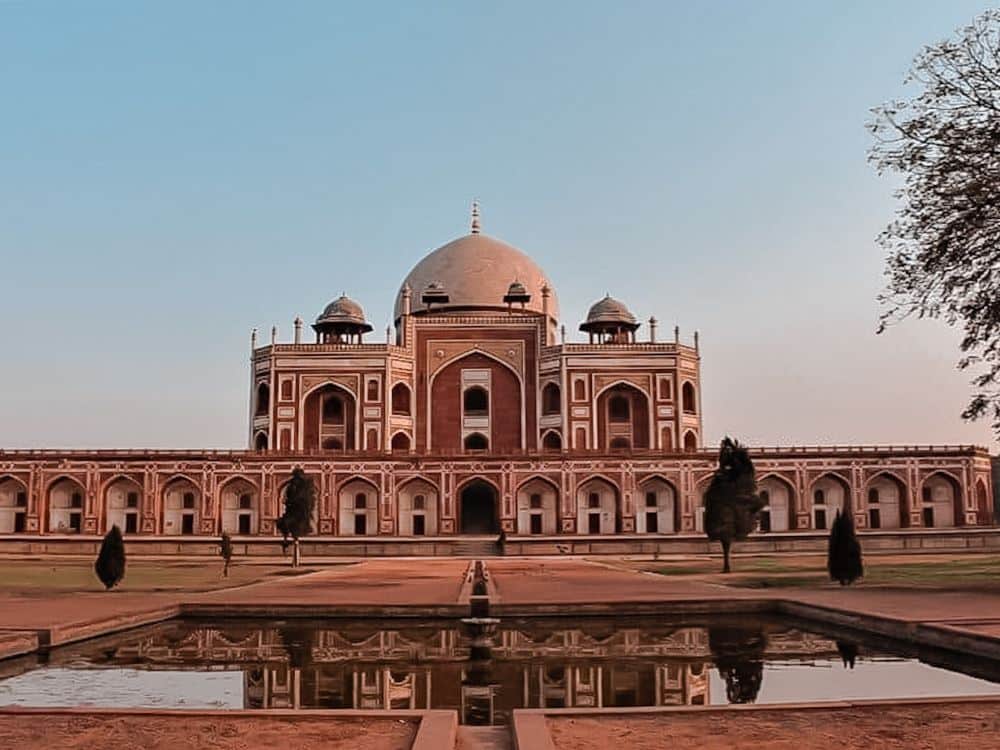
475	217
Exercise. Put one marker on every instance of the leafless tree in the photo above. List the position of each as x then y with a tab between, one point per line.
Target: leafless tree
943	247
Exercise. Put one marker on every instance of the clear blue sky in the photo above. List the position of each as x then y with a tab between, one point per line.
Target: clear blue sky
175	173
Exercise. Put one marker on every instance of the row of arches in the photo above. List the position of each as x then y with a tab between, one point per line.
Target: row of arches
329	419
595	509
884	503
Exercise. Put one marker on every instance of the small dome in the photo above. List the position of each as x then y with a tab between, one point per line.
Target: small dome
609	313
342	311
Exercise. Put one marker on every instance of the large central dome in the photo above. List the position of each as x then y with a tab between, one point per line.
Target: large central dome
476	272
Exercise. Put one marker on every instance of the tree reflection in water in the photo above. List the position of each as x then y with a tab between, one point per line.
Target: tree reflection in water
848	653
738	652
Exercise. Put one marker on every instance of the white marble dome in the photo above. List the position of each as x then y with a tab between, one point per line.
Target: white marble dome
476	271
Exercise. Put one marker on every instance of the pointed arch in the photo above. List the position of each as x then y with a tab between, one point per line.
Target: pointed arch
689	398
65	499
13	504
658	507
262	399
778	494
329	417
828	493
941	500
181	503
552	440
402	400
984	503
624	416
400	441
551	399
598	505
537	499
690	441
445	412
886	501
123	498
417	502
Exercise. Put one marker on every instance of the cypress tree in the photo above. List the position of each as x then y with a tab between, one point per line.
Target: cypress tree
844	551
110	563
732	504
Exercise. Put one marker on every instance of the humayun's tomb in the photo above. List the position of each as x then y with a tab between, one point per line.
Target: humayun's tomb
475	416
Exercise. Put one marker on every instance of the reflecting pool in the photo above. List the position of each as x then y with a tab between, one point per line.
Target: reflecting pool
518	663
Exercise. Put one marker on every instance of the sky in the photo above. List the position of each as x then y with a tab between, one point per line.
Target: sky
173	174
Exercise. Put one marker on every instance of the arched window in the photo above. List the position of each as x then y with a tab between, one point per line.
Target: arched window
372	392
873	495
286	390
552	441
263	400
401	400
618	409
579	390
333	410
419	502
188	499
361	501
819	497
690	442
688	401
550	399
476	401
401	442
261	442
371	440
476	442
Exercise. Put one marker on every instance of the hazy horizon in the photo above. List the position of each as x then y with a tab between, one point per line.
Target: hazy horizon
178	174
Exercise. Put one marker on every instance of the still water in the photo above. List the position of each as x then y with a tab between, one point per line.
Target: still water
530	663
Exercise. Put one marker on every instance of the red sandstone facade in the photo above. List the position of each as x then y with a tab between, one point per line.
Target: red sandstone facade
473	418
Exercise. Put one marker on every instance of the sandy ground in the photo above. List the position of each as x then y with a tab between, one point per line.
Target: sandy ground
40	732
968	726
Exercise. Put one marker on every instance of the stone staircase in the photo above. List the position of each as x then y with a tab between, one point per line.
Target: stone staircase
476	546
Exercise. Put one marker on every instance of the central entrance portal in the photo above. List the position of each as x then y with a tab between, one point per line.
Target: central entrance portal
479	509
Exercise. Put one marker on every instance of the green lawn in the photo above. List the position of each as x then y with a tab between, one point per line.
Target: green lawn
969	571
64	576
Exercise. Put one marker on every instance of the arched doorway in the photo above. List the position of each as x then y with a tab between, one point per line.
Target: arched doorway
479	508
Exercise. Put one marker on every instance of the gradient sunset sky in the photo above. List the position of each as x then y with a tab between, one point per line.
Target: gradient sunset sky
173	174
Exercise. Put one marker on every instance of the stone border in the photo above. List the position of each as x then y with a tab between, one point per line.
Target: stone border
531	730
969	539
436	729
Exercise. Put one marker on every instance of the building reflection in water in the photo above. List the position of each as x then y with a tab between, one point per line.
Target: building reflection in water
538	664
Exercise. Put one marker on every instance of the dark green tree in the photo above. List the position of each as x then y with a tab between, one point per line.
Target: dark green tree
296	521
226	550
738	652
110	563
732	504
941	247
843	559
